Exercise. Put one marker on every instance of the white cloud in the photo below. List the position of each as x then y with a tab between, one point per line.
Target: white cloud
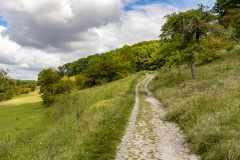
26	62
52	25
28	59
142	23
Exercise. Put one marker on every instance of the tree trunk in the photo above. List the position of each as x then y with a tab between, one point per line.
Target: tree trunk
197	37
236	40
193	70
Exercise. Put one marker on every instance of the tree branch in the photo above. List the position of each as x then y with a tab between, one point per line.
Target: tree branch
236	40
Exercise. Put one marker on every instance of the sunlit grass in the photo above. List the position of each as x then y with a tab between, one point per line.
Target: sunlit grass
208	108
23	99
19	114
86	124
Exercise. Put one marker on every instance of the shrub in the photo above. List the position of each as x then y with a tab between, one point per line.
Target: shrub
51	85
80	81
63	86
9	94
33	87
2	96
46	79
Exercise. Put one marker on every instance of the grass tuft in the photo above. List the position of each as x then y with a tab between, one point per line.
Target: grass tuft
208	108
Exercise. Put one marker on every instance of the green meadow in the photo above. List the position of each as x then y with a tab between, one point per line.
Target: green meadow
85	124
208	108
19	114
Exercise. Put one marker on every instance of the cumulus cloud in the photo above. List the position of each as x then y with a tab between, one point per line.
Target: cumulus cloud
13	53
54	25
27	62
29	59
142	23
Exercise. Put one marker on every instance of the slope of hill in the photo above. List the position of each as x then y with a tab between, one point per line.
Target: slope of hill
86	124
208	108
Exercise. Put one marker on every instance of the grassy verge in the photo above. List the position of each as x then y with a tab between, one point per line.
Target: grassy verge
208	108
86	124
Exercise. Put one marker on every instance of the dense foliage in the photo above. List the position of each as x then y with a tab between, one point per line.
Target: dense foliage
187	36
118	63
52	85
229	16
97	69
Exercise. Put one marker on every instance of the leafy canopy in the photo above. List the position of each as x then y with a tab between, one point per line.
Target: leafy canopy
184	31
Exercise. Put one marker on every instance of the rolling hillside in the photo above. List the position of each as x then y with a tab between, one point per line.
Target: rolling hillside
208	108
86	124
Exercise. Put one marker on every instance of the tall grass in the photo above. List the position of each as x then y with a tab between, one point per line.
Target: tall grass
207	109
86	124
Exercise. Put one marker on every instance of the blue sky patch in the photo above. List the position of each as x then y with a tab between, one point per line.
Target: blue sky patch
3	22
147	2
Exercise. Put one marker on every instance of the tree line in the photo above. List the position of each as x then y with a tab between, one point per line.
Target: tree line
189	38
11	87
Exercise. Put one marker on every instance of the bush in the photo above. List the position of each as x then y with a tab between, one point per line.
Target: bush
9	94
80	81
51	85
63	86
47	78
2	96
33	87
26	91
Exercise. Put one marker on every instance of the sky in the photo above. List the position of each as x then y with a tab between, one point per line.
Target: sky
35	35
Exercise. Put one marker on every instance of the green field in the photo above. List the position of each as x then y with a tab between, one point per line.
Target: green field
208	108
86	124
19	114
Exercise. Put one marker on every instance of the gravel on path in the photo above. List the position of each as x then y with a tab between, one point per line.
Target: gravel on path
147	136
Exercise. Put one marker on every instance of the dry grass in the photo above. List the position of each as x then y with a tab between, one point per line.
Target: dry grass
207	109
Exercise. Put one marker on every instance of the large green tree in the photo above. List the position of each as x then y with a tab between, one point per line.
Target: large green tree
184	30
229	16
222	6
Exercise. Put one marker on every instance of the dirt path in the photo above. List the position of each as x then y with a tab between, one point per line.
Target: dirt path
147	135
